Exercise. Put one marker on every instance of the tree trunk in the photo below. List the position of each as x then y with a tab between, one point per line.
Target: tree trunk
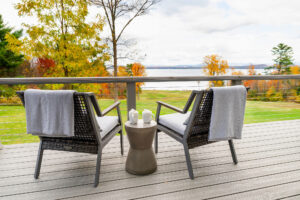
115	58
66	74
115	55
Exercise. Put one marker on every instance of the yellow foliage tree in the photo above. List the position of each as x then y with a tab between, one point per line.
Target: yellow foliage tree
272	95
295	69
62	35
215	66
235	73
122	71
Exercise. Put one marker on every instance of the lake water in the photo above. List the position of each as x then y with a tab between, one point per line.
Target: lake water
184	85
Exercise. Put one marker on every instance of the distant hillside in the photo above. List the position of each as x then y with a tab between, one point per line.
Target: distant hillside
259	66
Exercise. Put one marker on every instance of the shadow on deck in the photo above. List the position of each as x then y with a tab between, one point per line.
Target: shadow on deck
268	168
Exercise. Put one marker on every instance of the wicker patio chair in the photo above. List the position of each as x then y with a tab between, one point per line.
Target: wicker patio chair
87	135
195	132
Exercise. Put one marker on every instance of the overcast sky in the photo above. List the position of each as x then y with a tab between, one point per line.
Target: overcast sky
178	32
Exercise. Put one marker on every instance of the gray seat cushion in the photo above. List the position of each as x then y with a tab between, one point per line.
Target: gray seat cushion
107	123
187	118
174	121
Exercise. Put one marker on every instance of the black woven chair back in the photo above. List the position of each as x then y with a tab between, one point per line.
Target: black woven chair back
84	130
83	127
198	134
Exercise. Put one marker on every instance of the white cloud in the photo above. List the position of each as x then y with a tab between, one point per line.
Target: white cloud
184	31
240	31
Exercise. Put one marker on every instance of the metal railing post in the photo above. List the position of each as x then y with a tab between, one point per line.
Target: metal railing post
131	96
236	82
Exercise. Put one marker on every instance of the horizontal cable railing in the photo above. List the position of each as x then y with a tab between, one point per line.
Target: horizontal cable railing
13	121
62	80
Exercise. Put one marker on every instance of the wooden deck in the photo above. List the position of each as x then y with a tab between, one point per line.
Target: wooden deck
268	168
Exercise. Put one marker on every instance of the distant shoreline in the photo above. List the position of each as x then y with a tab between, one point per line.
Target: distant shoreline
201	67
260	66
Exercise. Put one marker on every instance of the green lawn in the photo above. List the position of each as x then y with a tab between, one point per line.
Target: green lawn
13	125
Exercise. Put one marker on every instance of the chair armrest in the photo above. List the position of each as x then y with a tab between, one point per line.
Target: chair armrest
170	106
21	96
95	104
107	110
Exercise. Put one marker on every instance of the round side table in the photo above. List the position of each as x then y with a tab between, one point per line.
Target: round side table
141	158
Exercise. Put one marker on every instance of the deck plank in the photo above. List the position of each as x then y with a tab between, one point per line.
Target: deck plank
167	158
286	176
114	150
165	182
279	191
65	157
268	168
178	164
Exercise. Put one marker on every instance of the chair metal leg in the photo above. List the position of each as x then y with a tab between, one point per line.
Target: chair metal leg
98	164
232	150
39	161
188	161
121	142
156	142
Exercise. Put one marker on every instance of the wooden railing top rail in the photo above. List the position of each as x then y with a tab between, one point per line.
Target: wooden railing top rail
58	80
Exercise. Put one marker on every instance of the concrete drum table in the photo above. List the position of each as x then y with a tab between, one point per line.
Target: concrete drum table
141	158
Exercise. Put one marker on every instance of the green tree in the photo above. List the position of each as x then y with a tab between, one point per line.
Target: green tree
63	35
9	60
283	57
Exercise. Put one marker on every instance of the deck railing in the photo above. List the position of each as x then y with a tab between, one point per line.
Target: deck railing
131	81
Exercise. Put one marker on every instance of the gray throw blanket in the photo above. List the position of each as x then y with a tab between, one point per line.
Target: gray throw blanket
50	112
228	111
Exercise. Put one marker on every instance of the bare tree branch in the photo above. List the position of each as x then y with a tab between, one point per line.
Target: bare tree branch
115	9
102	4
141	9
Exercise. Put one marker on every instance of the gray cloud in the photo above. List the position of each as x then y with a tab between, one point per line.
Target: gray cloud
170	7
221	28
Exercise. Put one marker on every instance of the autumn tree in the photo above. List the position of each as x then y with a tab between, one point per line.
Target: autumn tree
44	66
295	69
9	60
295	83
283	57
215	66
251	72
135	69
62	35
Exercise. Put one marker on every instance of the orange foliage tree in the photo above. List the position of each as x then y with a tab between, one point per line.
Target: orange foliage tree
44	66
251	72
40	67
102	90
215	66
135	69
235	73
